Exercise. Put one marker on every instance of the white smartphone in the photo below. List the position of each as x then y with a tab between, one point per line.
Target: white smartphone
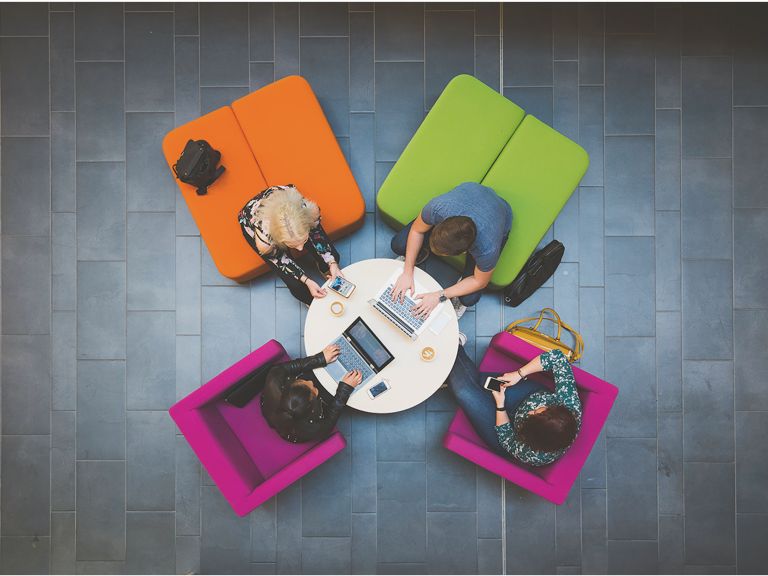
378	389
342	286
494	384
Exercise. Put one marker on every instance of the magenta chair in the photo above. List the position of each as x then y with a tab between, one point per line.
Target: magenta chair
247	459
553	482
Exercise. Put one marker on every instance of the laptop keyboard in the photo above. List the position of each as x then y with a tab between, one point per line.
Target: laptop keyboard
402	309
351	360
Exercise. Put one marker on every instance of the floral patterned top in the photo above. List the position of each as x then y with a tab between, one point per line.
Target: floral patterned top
254	227
565	395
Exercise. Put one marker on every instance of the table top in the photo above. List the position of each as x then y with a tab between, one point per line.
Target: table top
412	379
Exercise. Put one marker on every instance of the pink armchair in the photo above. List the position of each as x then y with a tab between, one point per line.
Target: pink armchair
247	459
553	482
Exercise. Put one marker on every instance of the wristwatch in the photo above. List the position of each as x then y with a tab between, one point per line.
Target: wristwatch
442	296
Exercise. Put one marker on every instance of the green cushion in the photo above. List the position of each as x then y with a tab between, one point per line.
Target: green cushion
536	173
458	142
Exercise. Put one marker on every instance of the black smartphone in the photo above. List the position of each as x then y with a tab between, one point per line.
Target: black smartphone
494	384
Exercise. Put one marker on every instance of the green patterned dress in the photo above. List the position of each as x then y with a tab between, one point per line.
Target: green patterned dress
564	395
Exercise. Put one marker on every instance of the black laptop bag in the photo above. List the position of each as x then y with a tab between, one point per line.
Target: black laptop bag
536	271
198	165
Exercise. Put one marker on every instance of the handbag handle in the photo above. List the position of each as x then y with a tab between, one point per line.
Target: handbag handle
578	347
555	320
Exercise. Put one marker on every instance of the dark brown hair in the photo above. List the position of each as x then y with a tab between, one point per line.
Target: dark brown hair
548	431
453	236
297	400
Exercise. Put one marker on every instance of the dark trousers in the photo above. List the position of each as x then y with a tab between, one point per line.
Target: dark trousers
399	242
466	383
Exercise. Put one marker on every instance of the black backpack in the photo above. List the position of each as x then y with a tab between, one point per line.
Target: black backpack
198	165
536	271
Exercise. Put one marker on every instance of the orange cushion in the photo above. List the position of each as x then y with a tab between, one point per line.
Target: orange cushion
293	143
216	212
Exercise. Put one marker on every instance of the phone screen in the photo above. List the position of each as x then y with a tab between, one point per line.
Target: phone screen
378	389
341	286
493	384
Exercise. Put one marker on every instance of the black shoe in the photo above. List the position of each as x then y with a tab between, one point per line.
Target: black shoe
424	253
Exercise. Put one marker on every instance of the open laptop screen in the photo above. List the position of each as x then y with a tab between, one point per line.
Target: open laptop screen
370	344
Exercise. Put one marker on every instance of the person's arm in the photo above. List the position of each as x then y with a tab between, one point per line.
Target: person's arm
321	427
429	300
298	366
565	384
415	241
321	243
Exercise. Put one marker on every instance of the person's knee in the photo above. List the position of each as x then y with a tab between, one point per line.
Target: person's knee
397	245
470	299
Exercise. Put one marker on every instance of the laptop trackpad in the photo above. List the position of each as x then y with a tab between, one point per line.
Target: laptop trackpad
336	370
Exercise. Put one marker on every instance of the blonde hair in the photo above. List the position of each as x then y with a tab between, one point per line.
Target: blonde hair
289	215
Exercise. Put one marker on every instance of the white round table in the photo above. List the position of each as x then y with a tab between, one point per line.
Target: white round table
412	379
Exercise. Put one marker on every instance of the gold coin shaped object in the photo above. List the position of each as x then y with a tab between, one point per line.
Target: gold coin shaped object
428	354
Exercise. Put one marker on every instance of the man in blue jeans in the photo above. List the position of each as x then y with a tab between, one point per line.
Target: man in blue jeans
471	218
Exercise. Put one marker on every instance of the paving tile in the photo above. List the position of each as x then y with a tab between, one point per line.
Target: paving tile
591	22
26	485
630	365
629	84
629	286
261	74
186	18
261	31
25	555
64	261
669	354
489	507
488	60
750	360
710	515
590	132
100	107
752	555
668	263
629	186
149	7
489	556
530	532
63	434
594	549
750	57
449	45
63	533
706	125
401	436
100	200
187	489
187	554
225	538
286	39
566	293
214	98
325	64
566	99
593	474
451	549
64	361
101	527
629	19
289	530
399	106
707	312
62	61
671	555
101	310
224	50
149	543
324	19
361	68
62	7
26	186
225	329
568	530
26	384
542	298
631	494
451	479
150	261
401	568
399	32
363	155
590	236
363	242
402	512
705	30
26	290
187	298
751	273
632	556
667	164
364	453
100	410
751	468
363	543
149	64
150	441
24	86
22	19
264	532
186	78
670	462
750	136
327	555
185	224
99	567
709	569
565	25
150	185
487	18
263	305
537	100
708	402
151	361
288	330
668	56
592	328
528	45
706	208
322	516
63	147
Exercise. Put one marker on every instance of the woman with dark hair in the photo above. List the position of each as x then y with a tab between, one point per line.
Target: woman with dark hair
297	406
524	418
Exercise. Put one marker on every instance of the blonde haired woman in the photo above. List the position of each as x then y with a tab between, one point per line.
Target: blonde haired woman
278	221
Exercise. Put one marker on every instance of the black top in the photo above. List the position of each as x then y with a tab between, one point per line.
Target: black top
321	419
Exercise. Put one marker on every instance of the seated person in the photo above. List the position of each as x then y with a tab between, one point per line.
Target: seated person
297	406
524	418
278	221
471	218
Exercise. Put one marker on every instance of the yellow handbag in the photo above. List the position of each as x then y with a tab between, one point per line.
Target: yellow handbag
544	341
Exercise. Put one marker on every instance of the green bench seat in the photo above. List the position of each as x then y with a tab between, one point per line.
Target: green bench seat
474	134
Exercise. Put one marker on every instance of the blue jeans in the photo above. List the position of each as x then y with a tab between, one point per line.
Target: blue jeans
399	242
466	383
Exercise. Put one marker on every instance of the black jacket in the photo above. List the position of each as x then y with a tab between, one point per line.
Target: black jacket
321	420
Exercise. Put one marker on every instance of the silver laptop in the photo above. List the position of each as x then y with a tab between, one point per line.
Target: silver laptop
361	350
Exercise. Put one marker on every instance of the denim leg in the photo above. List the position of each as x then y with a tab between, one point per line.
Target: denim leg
400	240
477	403
469	269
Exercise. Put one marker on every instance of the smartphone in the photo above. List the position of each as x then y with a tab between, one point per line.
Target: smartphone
494	384
342	286
378	389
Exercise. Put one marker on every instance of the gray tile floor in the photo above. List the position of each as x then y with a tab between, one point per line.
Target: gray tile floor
112	309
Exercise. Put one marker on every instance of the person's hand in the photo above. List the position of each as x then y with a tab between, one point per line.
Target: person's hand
353	378
426	303
511	378
314	289
499	396
331	352
403	284
335	270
